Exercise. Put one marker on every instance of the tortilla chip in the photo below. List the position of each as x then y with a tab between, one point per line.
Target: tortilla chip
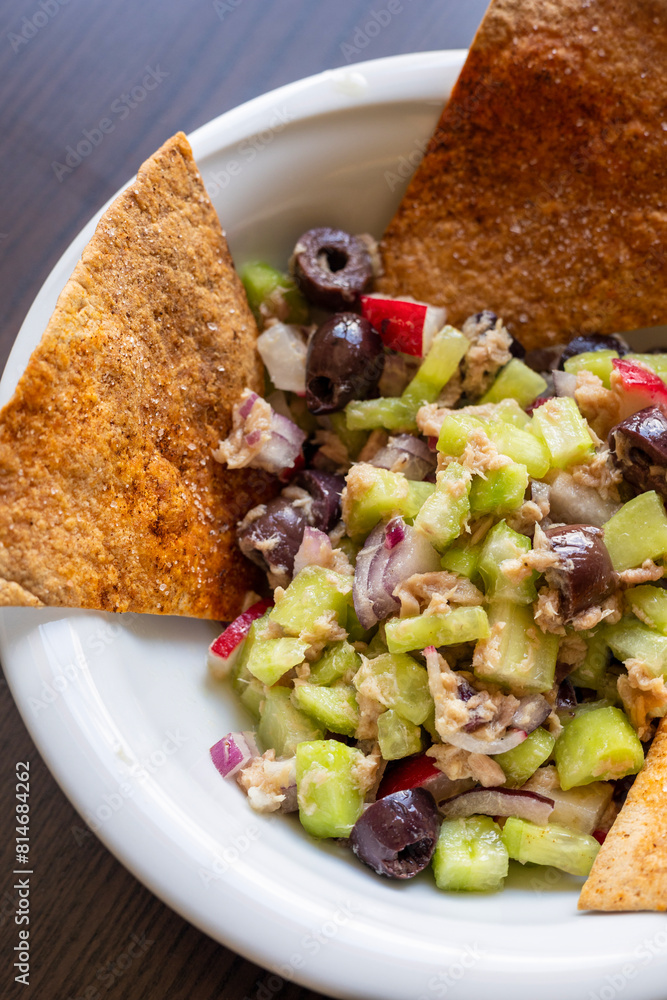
542	192
630	871
109	495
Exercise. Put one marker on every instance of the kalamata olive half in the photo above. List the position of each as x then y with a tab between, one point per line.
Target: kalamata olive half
331	267
396	835
344	361
638	446
584	574
325	488
270	536
593	342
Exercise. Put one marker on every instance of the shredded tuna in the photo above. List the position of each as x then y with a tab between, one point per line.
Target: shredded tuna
377	439
546	611
599	474
646	573
431	416
487	714
434	592
481	455
236	451
457	764
266	780
572	651
365	773
600	406
485	357
528	516
538	559
644	696
610	611
333	449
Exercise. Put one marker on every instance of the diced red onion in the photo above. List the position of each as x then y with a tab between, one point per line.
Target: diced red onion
394	534
315	550
500	802
248	403
289	803
564	383
408	454
531	713
233	752
283	350
379	570
283	448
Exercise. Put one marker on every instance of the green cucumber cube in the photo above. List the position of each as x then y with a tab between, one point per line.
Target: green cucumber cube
592	671
564	431
518	655
509	411
502	543
270	293
600	745
515	381
329	791
353	440
269	659
397	736
447	349
462	558
456	626
336	660
455	432
373	494
552	845
392	413
282	726
596	362
500	491
629	639
399	682
649	604
252	695
521	763
335	708
470	855
636	532
445	513
521	446
313	593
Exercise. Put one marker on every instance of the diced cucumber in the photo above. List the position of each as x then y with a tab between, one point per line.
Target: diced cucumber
638	531
500	492
656	362
455	432
266	286
400	683
518	655
629	639
592	671
445	513
313	593
391	412
521	763
649	604
373	494
252	696
564	431
282	726
329	794
502	543
515	381
596	362
521	446
269	659
597	745
470	855
335	708
509	411
462	558
336	660
549	845
397	736
447	349
459	625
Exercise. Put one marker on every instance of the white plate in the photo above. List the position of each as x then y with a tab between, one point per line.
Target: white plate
122	711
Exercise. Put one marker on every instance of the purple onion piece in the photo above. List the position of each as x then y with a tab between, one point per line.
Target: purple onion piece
408	454
315	550
465	741
283	448
531	713
396	835
233	752
500	802
289	803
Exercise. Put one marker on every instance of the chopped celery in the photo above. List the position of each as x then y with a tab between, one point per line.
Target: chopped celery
502	543
592	671
392	412
515	381
329	793
596	362
399	682
446	351
397	736
597	745
462	558
458	625
336	660
269	659
353	440
564	431
277	293
282	726
501	491
638	531
455	431
252	695
549	845
509	411
315	592
373	494
629	639
521	763
470	855
517	655
445	513
521	446
649	604
334	708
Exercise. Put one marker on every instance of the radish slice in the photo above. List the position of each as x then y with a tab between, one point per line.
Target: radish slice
421	772
638	386
500	802
233	752
403	324
224	651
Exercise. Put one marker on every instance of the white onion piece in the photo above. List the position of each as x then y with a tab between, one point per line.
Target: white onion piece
233	752
283	350
579	808
381	565
466	741
564	383
407	454
436	317
315	550
572	503
283	447
500	802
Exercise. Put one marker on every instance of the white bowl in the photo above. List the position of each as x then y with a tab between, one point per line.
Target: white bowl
122	710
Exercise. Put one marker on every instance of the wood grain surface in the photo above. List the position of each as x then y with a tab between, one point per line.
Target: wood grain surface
97	933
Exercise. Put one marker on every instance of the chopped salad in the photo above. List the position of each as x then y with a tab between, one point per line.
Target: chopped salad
465	649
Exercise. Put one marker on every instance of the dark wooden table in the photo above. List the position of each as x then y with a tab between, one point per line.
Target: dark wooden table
96	933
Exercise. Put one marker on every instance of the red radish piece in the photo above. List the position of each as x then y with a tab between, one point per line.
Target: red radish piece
233	752
420	772
600	835
637	386
224	651
403	325
500	802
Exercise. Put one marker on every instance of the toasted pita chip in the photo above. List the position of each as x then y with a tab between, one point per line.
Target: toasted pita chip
630	871
109	495
542	193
